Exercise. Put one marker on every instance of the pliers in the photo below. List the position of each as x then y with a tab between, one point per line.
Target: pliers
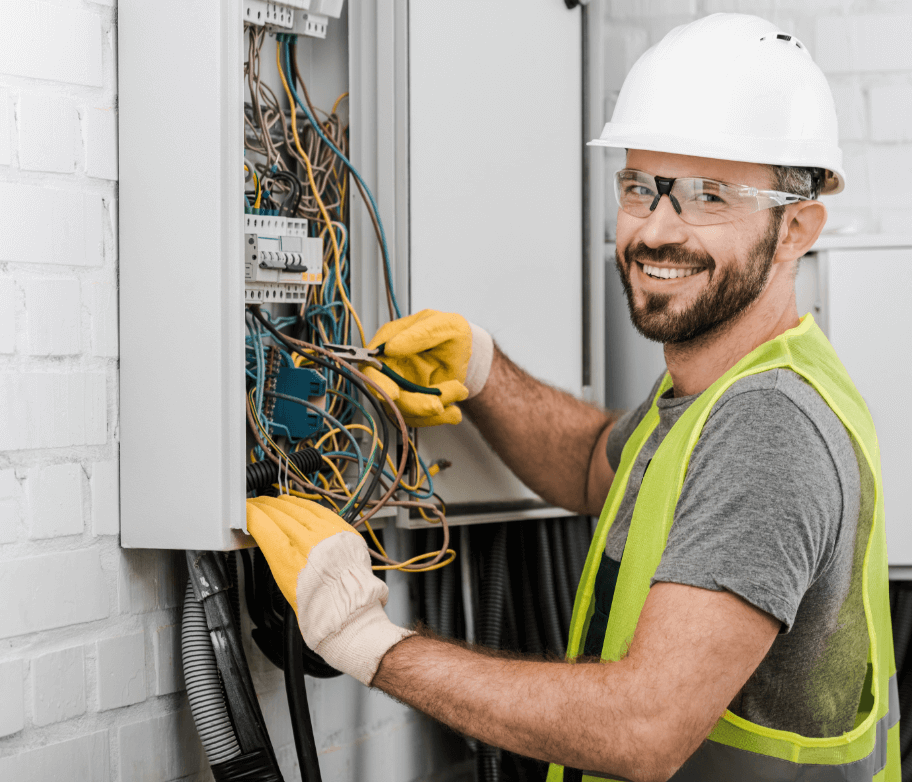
369	356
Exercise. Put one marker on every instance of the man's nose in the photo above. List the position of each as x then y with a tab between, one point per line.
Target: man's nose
664	225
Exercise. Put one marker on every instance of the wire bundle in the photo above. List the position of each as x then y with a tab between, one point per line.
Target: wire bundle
302	169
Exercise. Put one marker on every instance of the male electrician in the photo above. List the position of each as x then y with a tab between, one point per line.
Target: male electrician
732	622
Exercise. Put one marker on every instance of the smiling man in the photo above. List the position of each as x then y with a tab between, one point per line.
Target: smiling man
732	621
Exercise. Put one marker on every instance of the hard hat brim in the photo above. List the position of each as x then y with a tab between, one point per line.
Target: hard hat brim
766	151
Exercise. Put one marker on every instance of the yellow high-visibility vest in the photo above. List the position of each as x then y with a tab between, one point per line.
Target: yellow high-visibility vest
738	749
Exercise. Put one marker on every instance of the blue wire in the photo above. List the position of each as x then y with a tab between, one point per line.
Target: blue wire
335	424
319	131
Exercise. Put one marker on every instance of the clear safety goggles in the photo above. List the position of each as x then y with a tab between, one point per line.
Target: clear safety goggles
697	201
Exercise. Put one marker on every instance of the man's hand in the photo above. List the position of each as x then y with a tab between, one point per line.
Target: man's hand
323	568
439	350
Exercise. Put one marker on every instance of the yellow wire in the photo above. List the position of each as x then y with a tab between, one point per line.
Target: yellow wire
341	98
364	428
413	560
256	184
296	493
376	540
313	184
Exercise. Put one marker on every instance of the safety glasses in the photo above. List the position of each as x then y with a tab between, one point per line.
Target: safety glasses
697	201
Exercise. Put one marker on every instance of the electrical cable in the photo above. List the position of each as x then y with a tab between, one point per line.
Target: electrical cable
326	358
204	687
490	634
532	638
296	691
432	590
262	474
447	614
560	574
550	614
362	185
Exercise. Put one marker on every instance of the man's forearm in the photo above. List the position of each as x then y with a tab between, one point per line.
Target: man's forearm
544	435
579	715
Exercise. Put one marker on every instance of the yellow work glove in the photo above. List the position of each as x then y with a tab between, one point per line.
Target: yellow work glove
439	350
323	568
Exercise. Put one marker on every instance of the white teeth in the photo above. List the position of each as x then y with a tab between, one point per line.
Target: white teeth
668	274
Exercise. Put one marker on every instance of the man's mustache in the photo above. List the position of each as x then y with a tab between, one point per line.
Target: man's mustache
670	254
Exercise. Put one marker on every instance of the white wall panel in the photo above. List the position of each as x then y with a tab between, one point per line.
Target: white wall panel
869	293
495	197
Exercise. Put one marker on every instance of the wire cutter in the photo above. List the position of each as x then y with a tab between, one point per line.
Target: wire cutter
369	356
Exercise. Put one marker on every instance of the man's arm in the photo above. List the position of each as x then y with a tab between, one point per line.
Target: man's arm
639	718
554	442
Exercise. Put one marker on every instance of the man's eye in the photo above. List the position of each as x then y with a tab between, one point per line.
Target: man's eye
709	198
639	190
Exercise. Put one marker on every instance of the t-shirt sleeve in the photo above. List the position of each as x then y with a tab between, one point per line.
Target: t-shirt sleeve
625	425
760	508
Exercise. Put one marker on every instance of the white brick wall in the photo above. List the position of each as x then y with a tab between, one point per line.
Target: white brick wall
59	686
861	45
90	679
55	500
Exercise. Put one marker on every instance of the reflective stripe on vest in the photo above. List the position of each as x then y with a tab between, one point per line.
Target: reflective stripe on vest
737	748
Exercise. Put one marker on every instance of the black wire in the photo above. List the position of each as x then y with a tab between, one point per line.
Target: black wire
293	198
356	508
295	689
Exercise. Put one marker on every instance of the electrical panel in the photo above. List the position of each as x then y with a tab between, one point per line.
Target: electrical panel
253	88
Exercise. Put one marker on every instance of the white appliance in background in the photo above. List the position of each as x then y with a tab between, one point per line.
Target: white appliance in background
859	289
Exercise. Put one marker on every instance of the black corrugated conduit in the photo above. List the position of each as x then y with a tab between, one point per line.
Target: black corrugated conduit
219	687
265	473
901	618
432	588
547	596
531	636
447	615
561	571
490	628
204	687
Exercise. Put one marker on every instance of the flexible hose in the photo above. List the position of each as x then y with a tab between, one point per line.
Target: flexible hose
576	537
265	473
490	625
490	628
297	700
551	616
510	638
902	630
447	615
432	589
561	574
204	687
532	638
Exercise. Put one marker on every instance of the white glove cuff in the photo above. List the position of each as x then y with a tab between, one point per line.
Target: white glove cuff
479	361
360	645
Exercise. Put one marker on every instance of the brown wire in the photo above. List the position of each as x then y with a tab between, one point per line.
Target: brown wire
386	498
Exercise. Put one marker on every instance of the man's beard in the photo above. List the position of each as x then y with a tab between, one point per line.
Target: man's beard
727	294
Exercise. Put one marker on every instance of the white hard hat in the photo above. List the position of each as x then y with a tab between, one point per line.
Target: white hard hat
732	87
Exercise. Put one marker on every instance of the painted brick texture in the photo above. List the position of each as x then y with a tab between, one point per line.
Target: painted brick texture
861	45
90	675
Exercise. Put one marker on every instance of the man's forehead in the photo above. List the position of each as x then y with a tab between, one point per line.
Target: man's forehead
672	166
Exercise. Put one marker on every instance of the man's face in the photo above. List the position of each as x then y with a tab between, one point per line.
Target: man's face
726	267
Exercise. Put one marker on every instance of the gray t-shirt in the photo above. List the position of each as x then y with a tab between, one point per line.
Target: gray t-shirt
769	510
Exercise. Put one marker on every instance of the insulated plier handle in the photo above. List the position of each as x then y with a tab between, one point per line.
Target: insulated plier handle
369	356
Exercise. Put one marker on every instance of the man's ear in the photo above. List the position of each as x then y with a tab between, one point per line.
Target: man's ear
800	228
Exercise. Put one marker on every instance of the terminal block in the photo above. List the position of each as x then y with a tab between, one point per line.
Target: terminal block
314	25
300	383
280	259
265	14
